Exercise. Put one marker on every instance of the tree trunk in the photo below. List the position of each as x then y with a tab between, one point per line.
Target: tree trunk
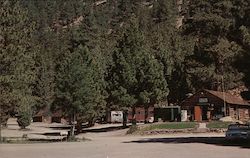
91	122
79	127
108	115
133	116
73	124
124	121
146	114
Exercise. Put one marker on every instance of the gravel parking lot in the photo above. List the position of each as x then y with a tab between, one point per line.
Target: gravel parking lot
116	145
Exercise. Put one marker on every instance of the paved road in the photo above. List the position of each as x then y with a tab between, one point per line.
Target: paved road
115	145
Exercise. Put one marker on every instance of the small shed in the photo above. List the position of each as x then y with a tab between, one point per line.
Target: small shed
43	115
168	113
208	105
140	114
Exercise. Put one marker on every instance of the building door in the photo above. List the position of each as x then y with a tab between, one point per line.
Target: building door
197	113
204	113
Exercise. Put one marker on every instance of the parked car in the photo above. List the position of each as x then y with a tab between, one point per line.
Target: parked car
238	132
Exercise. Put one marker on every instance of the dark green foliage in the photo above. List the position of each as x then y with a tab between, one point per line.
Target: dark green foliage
17	68
244	63
78	81
211	24
83	55
80	76
241	12
24	117
137	77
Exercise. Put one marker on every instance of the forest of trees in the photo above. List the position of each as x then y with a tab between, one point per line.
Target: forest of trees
86	57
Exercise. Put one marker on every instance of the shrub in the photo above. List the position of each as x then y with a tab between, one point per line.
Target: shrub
132	129
24	118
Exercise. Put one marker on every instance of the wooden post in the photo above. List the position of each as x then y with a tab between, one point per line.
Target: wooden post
73	125
0	124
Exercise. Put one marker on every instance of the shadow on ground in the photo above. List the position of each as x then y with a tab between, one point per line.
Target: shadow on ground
106	129
66	127
95	130
221	141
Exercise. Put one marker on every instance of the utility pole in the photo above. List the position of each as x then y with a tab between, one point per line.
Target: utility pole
224	97
223	88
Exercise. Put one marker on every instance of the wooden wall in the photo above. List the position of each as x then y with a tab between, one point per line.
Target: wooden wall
239	112
140	114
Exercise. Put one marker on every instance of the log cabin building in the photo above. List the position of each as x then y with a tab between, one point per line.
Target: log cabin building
207	105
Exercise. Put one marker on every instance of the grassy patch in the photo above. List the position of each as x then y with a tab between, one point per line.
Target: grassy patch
218	124
170	125
132	129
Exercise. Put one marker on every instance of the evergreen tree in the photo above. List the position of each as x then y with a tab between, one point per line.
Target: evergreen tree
18	71
78	87
138	62
242	36
211	23
24	113
80	78
169	46
243	63
137	77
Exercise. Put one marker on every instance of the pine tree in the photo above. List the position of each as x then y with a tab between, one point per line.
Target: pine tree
137	77
242	36
169	46
18	70
211	23
79	86
80	77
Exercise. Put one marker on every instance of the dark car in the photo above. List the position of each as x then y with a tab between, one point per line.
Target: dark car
238	132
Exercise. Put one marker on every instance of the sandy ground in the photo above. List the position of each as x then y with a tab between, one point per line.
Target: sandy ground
115	144
103	146
35	130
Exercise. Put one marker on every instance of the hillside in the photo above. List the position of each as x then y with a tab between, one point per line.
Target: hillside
86	57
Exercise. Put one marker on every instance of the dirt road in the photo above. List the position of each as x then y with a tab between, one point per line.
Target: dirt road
116	145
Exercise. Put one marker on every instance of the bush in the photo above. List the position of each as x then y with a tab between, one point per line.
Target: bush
132	129
24	118
71	139
25	105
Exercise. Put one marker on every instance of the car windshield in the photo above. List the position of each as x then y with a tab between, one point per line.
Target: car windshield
239	127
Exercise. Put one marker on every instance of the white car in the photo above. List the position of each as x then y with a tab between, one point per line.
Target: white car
238	132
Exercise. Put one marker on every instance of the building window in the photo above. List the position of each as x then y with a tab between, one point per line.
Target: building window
203	100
